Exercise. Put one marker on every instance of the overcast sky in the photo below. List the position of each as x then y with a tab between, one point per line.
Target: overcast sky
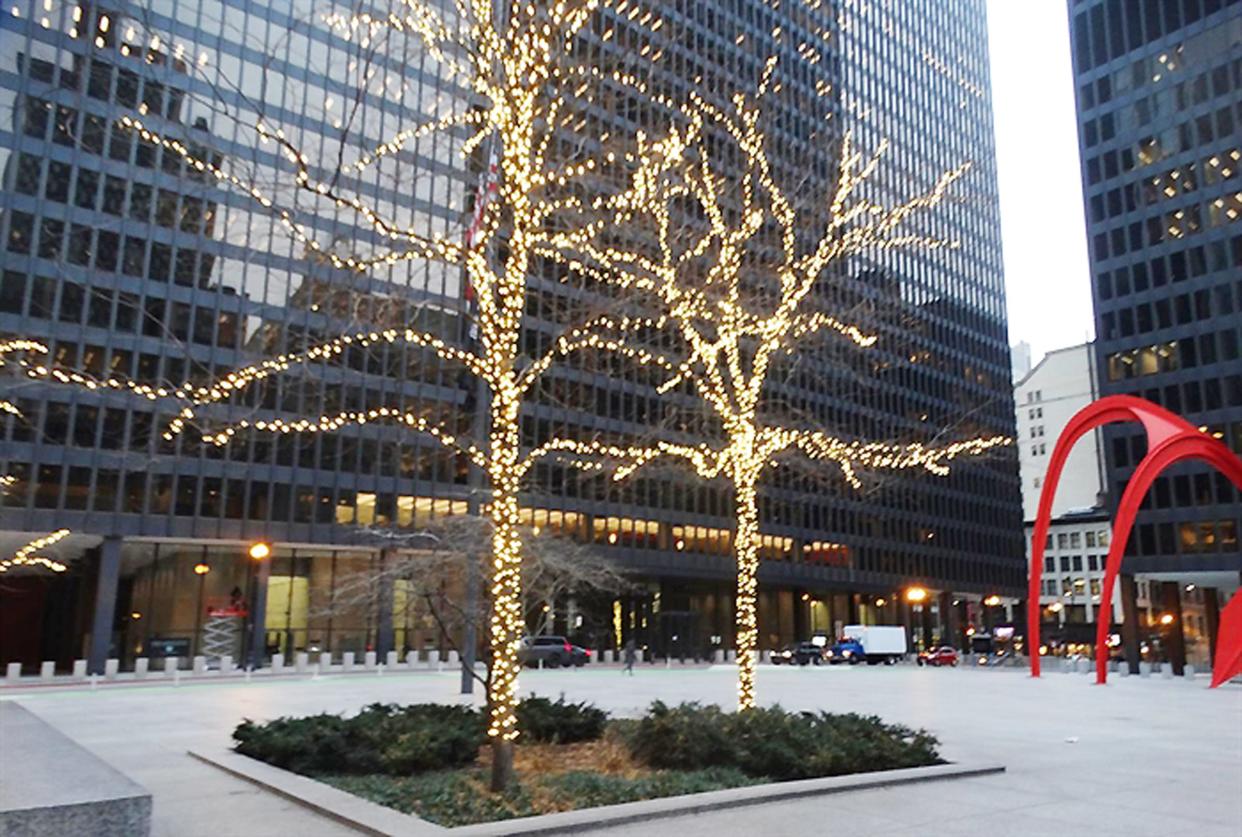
1047	281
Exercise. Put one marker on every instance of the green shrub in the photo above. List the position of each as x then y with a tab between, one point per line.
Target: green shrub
382	738
586	789
685	737
774	743
448	798
461	797
539	719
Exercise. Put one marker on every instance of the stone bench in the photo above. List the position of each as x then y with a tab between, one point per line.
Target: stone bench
51	785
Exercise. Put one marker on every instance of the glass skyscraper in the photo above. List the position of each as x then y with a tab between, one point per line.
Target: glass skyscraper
131	264
1159	93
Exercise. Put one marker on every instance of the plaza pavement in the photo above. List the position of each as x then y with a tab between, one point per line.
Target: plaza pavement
1139	757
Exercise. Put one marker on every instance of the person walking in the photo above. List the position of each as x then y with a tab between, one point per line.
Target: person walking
630	655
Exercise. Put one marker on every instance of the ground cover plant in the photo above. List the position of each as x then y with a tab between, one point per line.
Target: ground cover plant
431	760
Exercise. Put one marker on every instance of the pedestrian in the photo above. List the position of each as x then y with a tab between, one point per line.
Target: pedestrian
630	655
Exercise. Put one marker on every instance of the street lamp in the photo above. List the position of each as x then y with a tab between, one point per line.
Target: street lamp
1166	619
256	595
916	595
992	600
200	569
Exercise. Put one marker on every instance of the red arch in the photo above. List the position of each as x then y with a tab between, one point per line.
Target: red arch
1170	439
1184	446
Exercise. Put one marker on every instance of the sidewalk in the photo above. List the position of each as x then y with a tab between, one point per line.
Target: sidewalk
1139	756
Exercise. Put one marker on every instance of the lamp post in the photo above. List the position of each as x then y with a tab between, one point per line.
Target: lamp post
258	553
200	569
915	597
989	603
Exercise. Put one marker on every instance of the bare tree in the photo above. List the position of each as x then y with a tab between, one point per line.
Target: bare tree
432	565
732	264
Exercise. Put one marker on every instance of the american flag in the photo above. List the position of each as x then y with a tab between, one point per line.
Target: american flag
483	196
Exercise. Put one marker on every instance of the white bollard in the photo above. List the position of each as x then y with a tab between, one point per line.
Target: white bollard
47	670
454	659
1189	672
141	666
1166	671
606	656
278	663
411	659
390	660
1084	666
111	666
79	669
433	658
718	656
13	672
199	666
370	660
170	665
226	664
1144	669
301	661
1123	668
347	661
325	661
640	655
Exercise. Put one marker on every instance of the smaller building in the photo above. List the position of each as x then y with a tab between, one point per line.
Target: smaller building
1046	398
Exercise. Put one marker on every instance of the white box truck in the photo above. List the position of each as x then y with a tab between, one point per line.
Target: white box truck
874	644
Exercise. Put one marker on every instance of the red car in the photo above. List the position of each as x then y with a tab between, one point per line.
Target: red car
943	656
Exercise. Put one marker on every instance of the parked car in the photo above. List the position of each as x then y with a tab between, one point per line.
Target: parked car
552	652
943	656
799	653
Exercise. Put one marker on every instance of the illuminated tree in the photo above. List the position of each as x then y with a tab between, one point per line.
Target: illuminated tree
26	556
732	264
525	93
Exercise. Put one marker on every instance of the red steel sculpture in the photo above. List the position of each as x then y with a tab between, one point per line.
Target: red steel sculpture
1170	439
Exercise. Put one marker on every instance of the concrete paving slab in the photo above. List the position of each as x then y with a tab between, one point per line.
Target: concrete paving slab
1150	738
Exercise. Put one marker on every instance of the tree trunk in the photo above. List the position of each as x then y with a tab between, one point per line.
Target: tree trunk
507	619
746	548
502	764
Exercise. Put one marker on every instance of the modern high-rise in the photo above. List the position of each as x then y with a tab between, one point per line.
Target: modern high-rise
130	264
1159	96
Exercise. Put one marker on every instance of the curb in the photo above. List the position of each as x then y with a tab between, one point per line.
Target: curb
371	818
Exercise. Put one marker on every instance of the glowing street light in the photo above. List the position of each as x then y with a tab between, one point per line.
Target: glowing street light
916	595
1166	619
202	568
259	551
992	600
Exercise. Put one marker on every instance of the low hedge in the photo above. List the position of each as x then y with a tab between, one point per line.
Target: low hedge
400	740
382	738
774	743
540	719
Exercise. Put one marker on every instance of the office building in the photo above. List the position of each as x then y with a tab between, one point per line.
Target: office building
1159	97
129	264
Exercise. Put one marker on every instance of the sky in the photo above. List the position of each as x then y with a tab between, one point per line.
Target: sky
1047	280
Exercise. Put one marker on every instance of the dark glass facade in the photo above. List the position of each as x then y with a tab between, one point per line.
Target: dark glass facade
1159	93
129	263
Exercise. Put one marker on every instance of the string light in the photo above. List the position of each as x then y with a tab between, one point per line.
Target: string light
26	557
514	71
729	345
